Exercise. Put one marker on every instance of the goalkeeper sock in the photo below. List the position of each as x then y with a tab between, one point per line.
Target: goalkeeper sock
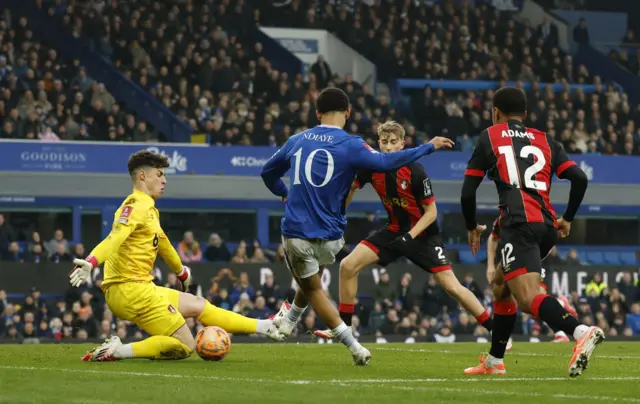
227	320
155	347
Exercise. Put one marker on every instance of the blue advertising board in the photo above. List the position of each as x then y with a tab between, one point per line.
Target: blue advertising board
109	158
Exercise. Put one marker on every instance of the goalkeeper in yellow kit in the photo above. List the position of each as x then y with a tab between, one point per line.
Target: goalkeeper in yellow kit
129	254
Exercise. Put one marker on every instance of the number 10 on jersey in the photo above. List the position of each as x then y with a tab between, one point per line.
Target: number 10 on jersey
308	169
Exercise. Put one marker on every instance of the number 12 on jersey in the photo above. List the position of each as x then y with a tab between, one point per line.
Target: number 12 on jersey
530	172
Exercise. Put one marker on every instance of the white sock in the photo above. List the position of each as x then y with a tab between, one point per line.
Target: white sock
561	334
124	351
296	312
343	334
492	361
580	331
263	326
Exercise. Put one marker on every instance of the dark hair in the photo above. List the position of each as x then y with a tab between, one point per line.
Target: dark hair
332	99
511	101
145	158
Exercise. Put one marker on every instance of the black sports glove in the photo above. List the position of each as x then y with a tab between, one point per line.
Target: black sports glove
403	242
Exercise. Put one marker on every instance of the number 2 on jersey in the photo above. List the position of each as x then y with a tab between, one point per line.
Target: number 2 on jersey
530	172
308	167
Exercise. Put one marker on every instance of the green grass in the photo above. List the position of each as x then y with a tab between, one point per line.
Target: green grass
310	373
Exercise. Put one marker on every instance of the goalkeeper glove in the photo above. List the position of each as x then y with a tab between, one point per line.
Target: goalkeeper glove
185	277
82	271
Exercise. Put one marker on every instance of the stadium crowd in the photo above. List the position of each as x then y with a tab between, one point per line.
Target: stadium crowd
397	307
202	62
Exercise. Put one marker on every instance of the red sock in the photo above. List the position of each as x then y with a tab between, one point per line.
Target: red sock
485	320
346	312
535	304
505	308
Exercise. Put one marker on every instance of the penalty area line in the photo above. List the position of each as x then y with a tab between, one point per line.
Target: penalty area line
317	381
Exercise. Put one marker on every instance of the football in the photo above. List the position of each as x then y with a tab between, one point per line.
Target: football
213	343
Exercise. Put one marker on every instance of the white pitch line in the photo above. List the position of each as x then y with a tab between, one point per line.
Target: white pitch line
516	393
307	382
446	352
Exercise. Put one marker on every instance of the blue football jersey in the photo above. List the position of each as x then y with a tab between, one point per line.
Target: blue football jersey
324	161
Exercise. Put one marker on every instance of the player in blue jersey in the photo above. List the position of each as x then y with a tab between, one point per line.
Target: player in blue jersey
324	161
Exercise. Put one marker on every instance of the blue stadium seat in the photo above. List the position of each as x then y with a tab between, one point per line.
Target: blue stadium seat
628	258
595	258
466	257
612	258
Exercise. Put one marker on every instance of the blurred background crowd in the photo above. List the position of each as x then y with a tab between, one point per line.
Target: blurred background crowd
202	60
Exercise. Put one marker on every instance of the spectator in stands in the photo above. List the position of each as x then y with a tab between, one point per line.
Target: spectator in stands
243	305
258	256
189	249
217	250
78	251
633	319
6	236
35	240
60	254
14	253
240	255
270	291
581	33
58	239
597	286
572	257
243	286
385	292
548	33
259	309
629	288
322	71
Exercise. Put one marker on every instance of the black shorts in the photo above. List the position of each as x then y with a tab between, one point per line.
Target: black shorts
523	246
426	252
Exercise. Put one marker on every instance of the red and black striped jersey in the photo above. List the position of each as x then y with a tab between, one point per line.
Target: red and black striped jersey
521	161
402	192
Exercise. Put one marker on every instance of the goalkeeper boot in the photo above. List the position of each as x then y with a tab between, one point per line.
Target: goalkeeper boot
583	350
104	352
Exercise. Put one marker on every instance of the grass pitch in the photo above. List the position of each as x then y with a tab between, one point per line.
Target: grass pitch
311	373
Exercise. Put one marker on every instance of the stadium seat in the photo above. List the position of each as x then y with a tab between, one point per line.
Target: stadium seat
595	258
466	257
628	258
612	258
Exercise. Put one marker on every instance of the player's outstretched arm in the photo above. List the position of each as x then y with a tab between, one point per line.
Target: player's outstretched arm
100	254
171	257
275	168
364	157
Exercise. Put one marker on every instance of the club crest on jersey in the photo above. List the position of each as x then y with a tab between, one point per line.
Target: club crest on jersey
369	147
404	184
172	309
124	214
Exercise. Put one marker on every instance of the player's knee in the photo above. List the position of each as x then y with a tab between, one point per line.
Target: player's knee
348	268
